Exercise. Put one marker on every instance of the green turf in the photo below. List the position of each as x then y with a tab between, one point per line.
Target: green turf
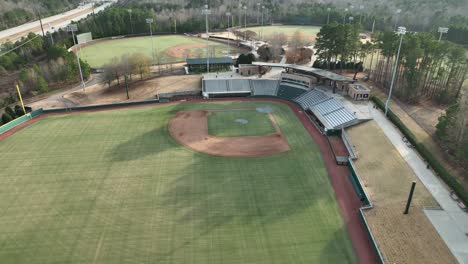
114	187
226	123
310	31
103	52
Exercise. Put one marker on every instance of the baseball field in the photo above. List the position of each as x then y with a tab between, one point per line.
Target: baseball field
286	29
172	48
115	187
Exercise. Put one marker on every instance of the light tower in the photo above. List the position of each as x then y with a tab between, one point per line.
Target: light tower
73	28
206	11
397	18
442	30
401	31
228	14
328	15
345	14
131	23
149	21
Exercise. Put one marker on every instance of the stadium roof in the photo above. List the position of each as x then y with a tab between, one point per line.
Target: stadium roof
199	61
318	72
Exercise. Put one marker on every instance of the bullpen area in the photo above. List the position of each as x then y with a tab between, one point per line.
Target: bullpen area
117	186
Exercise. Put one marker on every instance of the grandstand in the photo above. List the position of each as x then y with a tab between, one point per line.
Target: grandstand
226	87
264	87
326	112
290	91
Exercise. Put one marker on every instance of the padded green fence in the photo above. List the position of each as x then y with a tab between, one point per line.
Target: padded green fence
438	168
20	120
357	184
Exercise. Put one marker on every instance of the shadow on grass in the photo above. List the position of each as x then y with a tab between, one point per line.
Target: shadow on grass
141	145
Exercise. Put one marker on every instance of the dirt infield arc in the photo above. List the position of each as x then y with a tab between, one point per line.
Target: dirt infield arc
345	194
190	128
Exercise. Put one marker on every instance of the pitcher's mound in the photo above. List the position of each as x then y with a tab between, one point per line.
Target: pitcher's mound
190	128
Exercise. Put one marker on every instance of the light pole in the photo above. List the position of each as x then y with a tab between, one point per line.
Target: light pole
258	13
50	32
401	31
344	17
228	14
373	25
442	30
245	23
206	11
73	28
397	18
240	16
361	7
261	31
150	22
328	15
131	24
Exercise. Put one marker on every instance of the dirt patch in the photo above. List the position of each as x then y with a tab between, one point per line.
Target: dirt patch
387	178
179	51
138	90
190	128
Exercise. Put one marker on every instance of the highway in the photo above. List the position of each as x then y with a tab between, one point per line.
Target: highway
51	24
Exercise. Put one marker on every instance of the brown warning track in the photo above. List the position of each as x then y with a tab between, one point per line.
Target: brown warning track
345	194
190	128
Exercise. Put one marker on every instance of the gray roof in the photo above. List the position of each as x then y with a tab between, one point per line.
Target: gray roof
318	72
198	61
327	109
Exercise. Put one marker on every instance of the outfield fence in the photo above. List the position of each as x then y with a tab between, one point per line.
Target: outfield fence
18	121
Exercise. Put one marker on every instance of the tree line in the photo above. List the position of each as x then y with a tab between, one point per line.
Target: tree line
428	69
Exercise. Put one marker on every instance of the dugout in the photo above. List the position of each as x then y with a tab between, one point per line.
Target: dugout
216	64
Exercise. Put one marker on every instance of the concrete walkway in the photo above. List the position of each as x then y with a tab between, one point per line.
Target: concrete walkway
451	222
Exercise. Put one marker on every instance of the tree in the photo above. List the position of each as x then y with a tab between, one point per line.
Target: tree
245	59
140	64
6	118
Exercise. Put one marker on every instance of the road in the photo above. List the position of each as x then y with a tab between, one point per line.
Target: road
50	24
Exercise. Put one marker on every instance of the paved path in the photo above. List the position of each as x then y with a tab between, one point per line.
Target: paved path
451	222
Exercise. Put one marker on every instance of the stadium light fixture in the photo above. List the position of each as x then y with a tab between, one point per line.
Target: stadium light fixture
73	28
149	21
442	30
401	31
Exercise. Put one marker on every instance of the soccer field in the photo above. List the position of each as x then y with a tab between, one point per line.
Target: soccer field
114	187
172	46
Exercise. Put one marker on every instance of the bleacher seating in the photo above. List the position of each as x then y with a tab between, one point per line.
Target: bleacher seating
264	87
290	91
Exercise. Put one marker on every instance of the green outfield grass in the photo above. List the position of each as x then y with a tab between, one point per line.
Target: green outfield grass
103	52
288	30
114	187
232	123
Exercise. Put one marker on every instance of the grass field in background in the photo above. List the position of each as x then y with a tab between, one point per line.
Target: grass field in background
114	187
310	31
227	123
102	53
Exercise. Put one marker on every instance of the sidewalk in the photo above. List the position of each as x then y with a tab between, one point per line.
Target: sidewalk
451	222
422	136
